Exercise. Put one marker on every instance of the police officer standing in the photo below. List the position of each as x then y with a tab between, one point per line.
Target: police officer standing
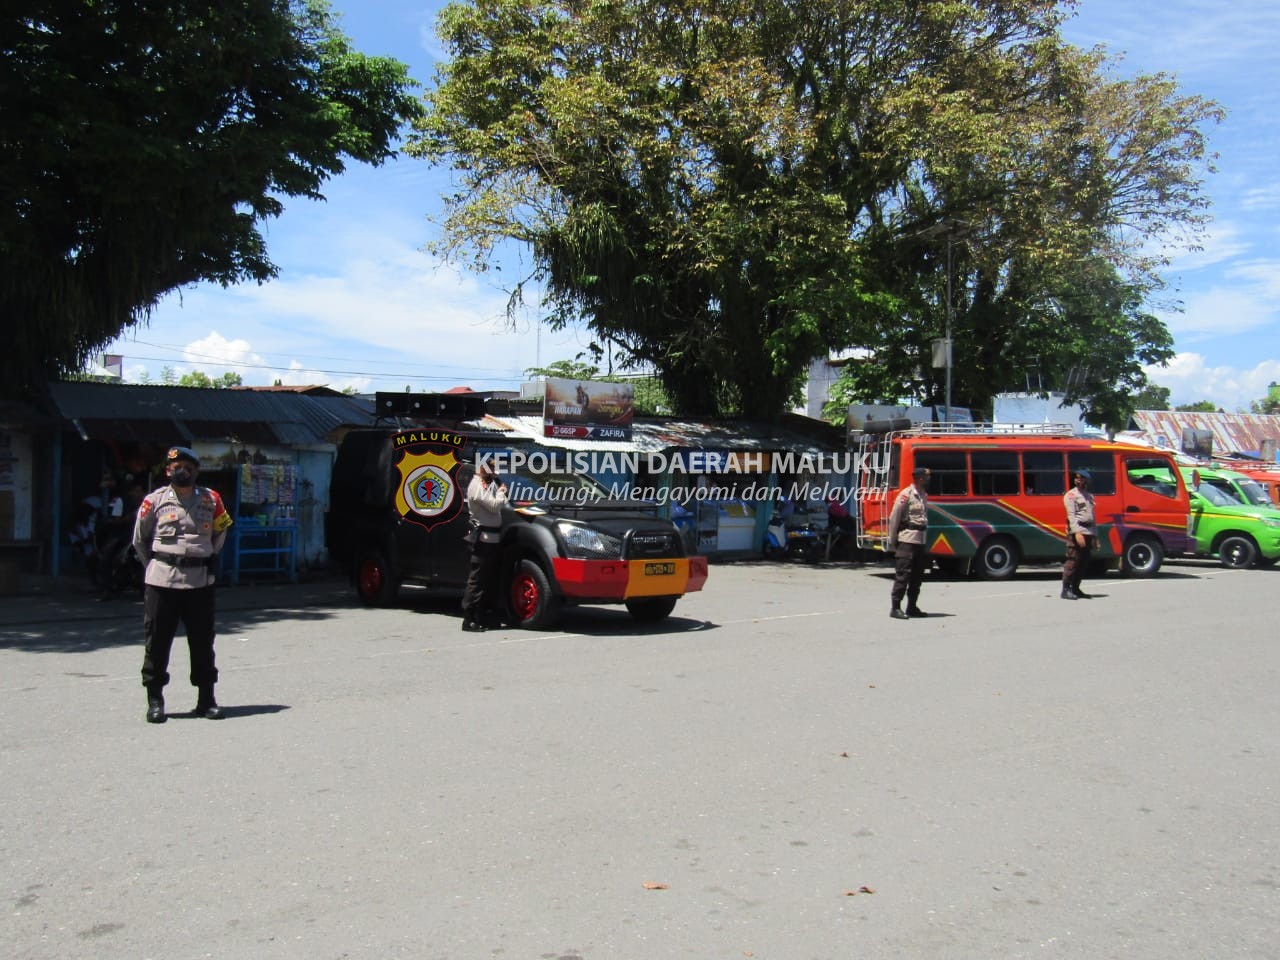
907	525
1082	531
178	533
486	496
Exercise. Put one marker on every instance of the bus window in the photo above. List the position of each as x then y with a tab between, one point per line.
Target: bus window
948	472
1043	473
995	472
1102	469
1156	476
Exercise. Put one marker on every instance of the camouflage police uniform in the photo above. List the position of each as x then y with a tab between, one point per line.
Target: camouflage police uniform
177	537
1082	535
908	524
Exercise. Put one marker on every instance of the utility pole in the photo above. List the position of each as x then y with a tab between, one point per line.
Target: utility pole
953	229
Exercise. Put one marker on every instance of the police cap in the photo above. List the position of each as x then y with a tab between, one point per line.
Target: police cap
181	453
1084	473
920	472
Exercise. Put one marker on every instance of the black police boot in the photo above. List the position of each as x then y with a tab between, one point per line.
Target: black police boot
1069	593
897	614
914	611
207	706
471	622
155	705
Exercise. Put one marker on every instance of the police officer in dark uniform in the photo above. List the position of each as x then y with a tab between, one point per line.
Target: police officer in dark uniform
178	533
908	525
486	496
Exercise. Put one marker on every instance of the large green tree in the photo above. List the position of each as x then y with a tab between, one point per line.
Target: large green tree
143	144
1045	219
729	188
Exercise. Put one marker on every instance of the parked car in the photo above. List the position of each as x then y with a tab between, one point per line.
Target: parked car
396	516
1239	534
1245	488
1264	482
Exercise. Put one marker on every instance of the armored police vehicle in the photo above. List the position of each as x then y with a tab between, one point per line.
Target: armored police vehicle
398	515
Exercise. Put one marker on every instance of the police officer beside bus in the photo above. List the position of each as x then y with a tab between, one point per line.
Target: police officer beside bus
179	531
907	526
1082	534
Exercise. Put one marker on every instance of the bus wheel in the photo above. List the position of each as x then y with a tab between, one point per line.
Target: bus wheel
1237	551
1142	556
997	558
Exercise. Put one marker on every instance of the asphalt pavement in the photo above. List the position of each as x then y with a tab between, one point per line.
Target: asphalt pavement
777	771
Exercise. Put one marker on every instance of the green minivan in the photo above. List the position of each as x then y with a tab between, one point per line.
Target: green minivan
1238	533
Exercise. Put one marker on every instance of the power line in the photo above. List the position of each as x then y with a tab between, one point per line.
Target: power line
391	375
186	354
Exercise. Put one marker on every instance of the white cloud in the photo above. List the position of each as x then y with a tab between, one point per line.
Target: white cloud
1219	312
1261	199
387	317
1224	240
1191	379
215	355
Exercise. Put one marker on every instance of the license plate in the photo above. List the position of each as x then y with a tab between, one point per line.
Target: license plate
659	569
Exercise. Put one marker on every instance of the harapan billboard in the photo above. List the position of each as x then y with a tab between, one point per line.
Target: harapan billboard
588	410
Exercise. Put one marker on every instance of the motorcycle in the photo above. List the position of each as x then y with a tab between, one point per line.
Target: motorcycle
783	541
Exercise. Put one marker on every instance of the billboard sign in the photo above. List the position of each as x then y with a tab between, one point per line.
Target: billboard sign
588	410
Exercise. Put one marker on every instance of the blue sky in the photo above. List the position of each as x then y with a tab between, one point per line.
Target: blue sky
359	303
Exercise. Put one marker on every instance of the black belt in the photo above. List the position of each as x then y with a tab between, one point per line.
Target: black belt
173	561
915	526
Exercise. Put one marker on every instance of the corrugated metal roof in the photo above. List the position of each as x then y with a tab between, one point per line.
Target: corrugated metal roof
163	413
1232	432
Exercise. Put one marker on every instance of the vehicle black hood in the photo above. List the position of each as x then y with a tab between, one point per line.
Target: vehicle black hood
609	514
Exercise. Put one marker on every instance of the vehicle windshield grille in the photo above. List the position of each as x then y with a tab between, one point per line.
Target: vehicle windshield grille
653	544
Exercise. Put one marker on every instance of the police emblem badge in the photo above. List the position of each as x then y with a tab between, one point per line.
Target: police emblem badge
427	462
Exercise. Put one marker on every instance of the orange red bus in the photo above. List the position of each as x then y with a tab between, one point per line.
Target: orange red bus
995	498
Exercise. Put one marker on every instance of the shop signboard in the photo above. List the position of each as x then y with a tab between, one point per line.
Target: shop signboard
588	410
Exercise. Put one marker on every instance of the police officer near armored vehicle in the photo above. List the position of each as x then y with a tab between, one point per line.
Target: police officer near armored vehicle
1082	534
907	526
178	533
486	496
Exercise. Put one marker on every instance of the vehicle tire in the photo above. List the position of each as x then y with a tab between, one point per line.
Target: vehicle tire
651	609
997	558
1142	556
1237	551
530	601
376	583
774	552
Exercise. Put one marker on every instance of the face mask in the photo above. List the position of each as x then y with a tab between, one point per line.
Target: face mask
182	476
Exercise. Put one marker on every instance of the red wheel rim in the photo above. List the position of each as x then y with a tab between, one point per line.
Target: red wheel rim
370	578
524	596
